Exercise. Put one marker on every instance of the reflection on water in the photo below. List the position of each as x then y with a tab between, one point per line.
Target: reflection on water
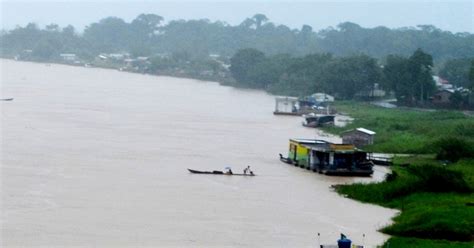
94	157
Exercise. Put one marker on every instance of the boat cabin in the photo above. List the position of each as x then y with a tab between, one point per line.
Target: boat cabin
286	105
298	150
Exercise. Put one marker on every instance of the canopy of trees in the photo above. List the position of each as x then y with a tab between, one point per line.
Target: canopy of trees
148	34
345	77
456	71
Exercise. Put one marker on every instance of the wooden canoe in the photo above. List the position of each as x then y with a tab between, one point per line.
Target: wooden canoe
219	173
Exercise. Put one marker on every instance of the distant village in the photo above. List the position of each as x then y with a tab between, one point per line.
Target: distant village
216	68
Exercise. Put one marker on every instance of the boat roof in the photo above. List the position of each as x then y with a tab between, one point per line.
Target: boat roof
310	141
336	148
291	98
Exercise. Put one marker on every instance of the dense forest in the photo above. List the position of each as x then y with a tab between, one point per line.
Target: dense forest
351	77
348	61
148	34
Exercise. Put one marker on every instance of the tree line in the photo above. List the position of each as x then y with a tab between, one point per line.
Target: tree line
348	61
357	76
148	34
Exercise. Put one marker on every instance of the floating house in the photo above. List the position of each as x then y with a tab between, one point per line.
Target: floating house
359	137
286	105
328	158
299	150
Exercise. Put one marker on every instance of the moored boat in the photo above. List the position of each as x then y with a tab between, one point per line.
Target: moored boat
317	120
215	172
328	158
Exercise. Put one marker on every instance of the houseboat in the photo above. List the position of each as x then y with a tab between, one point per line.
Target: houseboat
328	158
285	105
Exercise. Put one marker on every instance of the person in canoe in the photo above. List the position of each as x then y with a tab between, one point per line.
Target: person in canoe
247	169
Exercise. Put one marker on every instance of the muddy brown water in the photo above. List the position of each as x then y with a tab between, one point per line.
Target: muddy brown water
96	157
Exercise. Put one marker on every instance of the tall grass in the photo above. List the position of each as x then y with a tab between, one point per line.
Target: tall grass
435	200
404	130
435	196
400	242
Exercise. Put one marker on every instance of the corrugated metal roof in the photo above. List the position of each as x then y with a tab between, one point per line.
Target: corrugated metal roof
367	131
310	141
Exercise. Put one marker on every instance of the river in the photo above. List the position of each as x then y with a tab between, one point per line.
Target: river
97	157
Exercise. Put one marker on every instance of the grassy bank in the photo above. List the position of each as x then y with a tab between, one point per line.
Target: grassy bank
436	202
406	131
435	196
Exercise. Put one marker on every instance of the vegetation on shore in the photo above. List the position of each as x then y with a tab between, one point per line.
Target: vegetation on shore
259	54
411	131
434	189
355	77
436	201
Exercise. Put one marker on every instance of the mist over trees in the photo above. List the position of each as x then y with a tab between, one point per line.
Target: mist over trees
350	77
147	34
347	61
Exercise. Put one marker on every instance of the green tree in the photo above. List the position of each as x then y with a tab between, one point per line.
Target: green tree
456	71
69	30
471	75
398	78
45	49
242	64
458	100
110	34
143	29
420	70
147	24
52	27
345	77
259	20
269	71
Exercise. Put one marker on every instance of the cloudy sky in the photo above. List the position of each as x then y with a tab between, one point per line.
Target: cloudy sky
455	16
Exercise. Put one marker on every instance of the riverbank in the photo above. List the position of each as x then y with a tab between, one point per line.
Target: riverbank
436	202
210	69
435	197
406	131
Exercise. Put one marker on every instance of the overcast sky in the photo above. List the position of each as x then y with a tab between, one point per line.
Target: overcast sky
455	16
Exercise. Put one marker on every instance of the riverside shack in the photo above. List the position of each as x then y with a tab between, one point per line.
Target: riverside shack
359	137
328	158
